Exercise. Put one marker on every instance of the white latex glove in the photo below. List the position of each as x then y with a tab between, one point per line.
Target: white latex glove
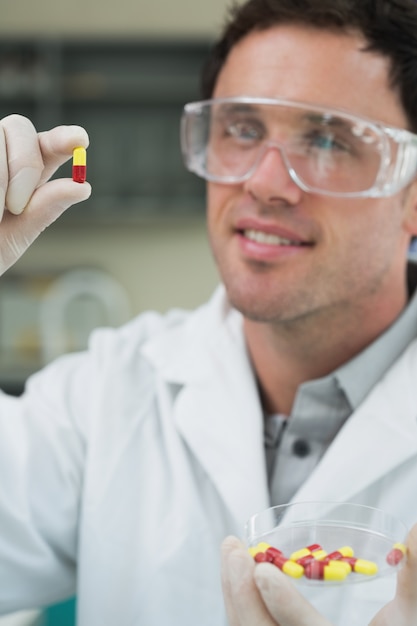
261	595
28	202
402	610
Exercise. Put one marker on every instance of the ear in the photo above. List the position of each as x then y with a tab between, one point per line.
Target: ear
410	209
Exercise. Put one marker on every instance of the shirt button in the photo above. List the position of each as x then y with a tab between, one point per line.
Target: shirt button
300	448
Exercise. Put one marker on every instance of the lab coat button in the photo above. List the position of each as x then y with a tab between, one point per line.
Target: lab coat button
300	448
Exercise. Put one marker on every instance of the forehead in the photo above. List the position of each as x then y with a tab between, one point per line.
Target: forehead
312	65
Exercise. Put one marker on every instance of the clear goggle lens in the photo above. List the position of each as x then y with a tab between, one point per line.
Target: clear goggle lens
324	150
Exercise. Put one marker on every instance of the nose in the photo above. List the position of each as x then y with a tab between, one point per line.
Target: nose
270	181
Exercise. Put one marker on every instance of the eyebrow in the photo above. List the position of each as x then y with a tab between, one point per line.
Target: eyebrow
331	121
307	116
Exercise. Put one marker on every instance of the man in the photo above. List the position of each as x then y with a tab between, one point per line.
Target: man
124	468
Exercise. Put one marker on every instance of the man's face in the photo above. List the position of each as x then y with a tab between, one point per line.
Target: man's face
284	253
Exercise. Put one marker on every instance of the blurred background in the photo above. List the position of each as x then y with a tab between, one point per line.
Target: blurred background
122	70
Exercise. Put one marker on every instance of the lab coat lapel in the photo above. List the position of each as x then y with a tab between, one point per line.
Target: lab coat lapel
222	423
377	438
217	409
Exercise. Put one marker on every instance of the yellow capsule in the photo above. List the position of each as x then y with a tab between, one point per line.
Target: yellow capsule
291	569
299	554
346	551
319	554
362	566
366	567
79	156
260	547
400	546
343	565
335	571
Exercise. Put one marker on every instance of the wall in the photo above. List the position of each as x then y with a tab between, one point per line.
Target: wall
171	18
161	264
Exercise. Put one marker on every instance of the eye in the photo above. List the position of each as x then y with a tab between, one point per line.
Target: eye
244	130
326	141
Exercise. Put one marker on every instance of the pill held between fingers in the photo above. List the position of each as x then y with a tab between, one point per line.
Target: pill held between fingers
79	165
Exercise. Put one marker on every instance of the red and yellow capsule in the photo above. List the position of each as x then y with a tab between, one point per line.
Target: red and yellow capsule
361	566
339	554
295	570
79	165
260	547
319	570
307	554
263	552
396	554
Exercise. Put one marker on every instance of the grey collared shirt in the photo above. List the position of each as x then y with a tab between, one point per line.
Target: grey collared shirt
295	444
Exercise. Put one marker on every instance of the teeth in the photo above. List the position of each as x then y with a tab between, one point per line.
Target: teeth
273	240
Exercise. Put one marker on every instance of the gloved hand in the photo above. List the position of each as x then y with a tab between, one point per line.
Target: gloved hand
262	595
28	202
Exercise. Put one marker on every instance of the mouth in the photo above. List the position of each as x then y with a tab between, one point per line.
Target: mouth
270	239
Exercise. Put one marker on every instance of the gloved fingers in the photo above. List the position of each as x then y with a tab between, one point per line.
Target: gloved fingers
407	576
50	200
57	146
21	161
47	203
402	610
244	605
28	159
284	602
4	171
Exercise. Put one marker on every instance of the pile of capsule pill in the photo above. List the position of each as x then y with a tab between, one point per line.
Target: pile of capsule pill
316	564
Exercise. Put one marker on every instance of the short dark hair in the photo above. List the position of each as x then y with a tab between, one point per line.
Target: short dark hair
389	27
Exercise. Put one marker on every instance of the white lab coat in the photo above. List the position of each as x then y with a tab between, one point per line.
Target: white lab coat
122	470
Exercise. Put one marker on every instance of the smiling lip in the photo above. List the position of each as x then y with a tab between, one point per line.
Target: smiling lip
269	239
268	242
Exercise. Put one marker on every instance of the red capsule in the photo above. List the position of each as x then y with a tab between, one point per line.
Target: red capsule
272	552
305	560
314	547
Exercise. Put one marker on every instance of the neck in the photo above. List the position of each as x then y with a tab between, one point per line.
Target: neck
286	354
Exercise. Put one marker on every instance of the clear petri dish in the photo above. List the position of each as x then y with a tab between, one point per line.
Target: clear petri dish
371	534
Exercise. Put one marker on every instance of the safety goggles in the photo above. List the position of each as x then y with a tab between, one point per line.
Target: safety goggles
326	151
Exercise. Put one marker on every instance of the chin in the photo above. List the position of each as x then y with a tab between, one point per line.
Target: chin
253	308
